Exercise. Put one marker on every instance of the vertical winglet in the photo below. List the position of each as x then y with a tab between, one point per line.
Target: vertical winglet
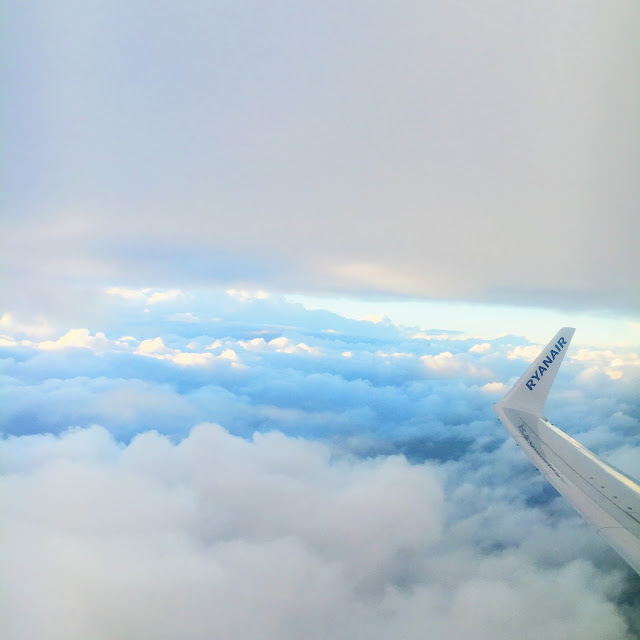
530	392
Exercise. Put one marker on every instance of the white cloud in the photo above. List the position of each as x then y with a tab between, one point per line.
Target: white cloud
219	536
256	344
163	296
375	381
612	358
146	295
184	317
229	354
389	547
483	347
395	354
494	387
141	295
193	359
153	346
38	329
421	335
156	348
78	338
448	364
613	364
529	352
375	318
280	345
245	294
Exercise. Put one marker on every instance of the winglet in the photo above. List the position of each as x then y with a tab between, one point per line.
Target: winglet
531	391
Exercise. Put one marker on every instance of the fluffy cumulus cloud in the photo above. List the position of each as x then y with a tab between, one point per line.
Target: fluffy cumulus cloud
184	470
272	537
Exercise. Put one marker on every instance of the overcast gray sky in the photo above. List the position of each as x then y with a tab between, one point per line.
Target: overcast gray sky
477	151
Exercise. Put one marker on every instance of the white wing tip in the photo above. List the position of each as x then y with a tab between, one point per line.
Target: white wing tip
530	392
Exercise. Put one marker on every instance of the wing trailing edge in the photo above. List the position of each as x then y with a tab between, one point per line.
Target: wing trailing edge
604	497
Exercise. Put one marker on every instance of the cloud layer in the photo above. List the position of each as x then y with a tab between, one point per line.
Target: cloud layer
273	537
203	357
479	152
356	484
189	462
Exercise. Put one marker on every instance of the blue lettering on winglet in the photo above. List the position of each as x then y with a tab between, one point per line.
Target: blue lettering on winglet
547	360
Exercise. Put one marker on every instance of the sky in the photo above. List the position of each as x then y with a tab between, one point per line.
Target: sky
266	266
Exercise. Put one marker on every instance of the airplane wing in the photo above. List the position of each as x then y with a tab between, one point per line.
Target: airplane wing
605	497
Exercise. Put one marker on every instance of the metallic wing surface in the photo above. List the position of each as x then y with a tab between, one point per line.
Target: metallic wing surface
606	498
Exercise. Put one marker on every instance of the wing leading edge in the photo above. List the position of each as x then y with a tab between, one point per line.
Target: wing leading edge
607	499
